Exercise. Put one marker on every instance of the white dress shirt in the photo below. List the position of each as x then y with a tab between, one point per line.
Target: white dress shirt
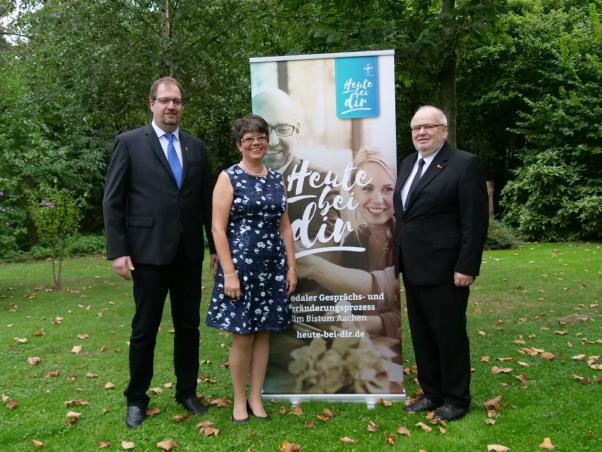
164	141
427	161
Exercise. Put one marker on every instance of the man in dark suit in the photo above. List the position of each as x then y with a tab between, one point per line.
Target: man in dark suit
157	199
441	226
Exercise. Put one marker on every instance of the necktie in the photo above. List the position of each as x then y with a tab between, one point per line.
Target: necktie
414	183
174	161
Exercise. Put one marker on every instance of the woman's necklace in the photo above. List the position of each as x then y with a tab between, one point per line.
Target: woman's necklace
253	173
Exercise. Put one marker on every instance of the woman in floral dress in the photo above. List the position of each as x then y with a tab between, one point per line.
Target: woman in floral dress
256	271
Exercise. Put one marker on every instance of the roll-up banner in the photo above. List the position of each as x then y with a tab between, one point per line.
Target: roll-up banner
332	137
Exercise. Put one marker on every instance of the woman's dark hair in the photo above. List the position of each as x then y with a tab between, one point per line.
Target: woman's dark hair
249	123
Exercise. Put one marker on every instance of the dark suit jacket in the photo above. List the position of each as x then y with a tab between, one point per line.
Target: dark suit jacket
445	226
145	214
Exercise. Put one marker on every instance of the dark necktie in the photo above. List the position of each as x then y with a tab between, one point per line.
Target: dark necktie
414	183
174	161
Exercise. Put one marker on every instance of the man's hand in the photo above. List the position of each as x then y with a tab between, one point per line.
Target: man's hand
123	266
462	280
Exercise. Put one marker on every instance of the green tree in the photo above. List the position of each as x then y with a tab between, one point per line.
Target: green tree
56	215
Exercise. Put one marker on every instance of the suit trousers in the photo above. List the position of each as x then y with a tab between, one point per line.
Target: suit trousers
437	317
182	279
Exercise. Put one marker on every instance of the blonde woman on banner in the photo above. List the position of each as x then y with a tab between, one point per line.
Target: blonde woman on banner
371	272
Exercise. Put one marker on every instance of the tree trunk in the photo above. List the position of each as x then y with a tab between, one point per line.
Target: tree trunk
166	33
447	76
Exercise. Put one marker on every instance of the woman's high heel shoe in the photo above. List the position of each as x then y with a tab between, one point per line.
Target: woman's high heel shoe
250	410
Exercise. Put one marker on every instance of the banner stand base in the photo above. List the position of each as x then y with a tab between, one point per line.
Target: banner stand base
371	400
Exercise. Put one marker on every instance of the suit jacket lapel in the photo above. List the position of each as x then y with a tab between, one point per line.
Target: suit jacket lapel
153	141
435	168
402	177
184	145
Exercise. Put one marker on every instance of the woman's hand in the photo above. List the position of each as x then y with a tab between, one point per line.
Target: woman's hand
232	287
291	281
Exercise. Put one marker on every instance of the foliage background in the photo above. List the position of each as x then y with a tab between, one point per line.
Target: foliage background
519	79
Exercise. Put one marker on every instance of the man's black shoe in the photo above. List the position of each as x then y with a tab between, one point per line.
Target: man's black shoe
135	416
193	405
422	404
449	412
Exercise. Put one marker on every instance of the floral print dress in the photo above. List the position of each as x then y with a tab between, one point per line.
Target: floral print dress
259	256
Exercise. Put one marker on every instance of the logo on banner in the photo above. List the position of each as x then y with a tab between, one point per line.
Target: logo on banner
357	87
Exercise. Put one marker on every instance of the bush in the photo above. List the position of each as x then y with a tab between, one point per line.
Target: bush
88	244
500	236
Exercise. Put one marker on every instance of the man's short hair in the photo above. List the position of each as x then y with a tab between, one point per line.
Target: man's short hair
168	80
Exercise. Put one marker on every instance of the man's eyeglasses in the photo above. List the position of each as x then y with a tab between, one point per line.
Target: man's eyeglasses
426	127
283	130
251	140
167	100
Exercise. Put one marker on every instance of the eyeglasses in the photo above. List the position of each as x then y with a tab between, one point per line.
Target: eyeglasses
426	127
167	100
251	140
283	130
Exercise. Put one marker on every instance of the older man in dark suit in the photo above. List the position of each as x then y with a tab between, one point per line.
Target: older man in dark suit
156	202
441	226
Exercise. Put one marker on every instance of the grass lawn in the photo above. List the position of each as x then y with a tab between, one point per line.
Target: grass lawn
535	299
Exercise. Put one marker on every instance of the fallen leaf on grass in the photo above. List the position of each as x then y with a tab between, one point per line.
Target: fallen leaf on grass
491	413
72	417
220	403
39	334
442	430
33	360
90	375
346	440
109	385
578	357
37	444
153	412
83	336
482	333
5	398
493	404
168	385
205	379
403	431
325	416
501	370
76	349
522	364
561	333
489	421
21	340
53	374
424	427
11	404
497	448
385	403
75	402
547	356
372	427
156	390
167	444
547	444
179	418
308	424
485	359
285	446
296	410
206	428
104	444
505	359
127	445
522	379
390	439
519	341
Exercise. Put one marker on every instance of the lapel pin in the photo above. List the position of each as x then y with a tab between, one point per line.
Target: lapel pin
439	165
